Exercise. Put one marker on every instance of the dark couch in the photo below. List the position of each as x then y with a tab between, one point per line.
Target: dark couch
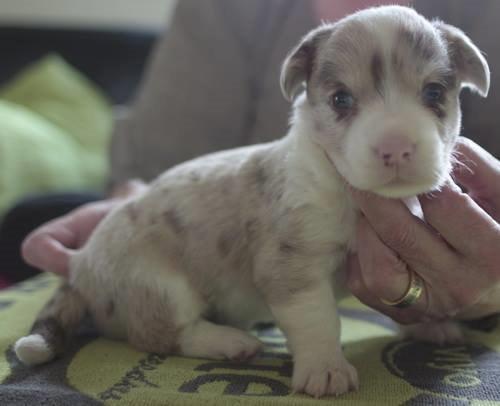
114	59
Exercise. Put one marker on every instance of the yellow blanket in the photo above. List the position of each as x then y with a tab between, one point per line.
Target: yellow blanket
392	371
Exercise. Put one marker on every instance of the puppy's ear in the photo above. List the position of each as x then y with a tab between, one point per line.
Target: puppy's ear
471	65
298	64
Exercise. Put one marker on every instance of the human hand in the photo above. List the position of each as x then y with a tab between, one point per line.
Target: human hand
455	251
50	246
478	172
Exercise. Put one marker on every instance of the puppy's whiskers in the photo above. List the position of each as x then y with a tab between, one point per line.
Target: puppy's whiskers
462	163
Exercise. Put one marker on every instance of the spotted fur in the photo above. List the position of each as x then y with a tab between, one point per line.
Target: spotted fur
260	233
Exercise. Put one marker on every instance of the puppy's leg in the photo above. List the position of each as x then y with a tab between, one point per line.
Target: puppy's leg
169	320
203	339
54	325
438	332
310	321
151	321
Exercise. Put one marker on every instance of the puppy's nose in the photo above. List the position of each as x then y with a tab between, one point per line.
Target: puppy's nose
395	150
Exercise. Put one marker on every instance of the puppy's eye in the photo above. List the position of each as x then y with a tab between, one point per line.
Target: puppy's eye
433	94
342	100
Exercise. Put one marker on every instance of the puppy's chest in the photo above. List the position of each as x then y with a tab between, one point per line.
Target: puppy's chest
323	230
335	237
338	224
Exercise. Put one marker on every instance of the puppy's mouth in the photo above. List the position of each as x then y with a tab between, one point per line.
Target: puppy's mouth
400	187
398	177
397	181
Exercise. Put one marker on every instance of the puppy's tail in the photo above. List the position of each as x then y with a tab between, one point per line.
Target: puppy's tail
56	322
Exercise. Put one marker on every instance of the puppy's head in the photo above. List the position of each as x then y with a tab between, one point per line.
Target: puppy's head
382	96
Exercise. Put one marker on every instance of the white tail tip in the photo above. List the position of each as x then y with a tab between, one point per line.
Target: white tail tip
33	350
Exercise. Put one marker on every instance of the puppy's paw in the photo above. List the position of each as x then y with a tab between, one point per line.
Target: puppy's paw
242	348
324	376
445	332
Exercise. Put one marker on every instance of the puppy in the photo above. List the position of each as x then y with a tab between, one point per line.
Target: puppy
261	233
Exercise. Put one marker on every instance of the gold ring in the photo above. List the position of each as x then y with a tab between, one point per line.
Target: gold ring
412	294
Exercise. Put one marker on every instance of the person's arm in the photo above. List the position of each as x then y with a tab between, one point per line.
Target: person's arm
455	251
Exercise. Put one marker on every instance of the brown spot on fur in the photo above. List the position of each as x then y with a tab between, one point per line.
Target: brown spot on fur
173	220
132	212
377	71
260	177
66	306
236	244
194	177
286	279
449	80
279	194
54	334
327	74
397	60
251	228
292	245
267	184
286	248
225	243
264	180
150	323
462	62
422	43
302	61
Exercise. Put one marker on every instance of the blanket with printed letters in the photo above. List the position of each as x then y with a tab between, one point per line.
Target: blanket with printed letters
98	371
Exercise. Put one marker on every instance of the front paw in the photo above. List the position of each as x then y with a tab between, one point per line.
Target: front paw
324	376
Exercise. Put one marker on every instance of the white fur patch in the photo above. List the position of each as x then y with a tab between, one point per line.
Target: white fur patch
33	350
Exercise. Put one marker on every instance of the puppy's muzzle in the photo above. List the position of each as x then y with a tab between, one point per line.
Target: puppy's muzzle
395	151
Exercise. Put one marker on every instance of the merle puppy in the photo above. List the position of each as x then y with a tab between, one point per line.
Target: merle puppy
261	233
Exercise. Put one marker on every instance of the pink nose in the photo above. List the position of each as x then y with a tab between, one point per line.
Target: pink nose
395	150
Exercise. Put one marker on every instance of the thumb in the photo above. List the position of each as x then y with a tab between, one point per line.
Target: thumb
49	249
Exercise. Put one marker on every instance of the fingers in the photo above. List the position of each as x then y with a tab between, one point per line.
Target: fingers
384	272
404	233
84	220
476	168
51	256
358	288
459	220
378	273
49	247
